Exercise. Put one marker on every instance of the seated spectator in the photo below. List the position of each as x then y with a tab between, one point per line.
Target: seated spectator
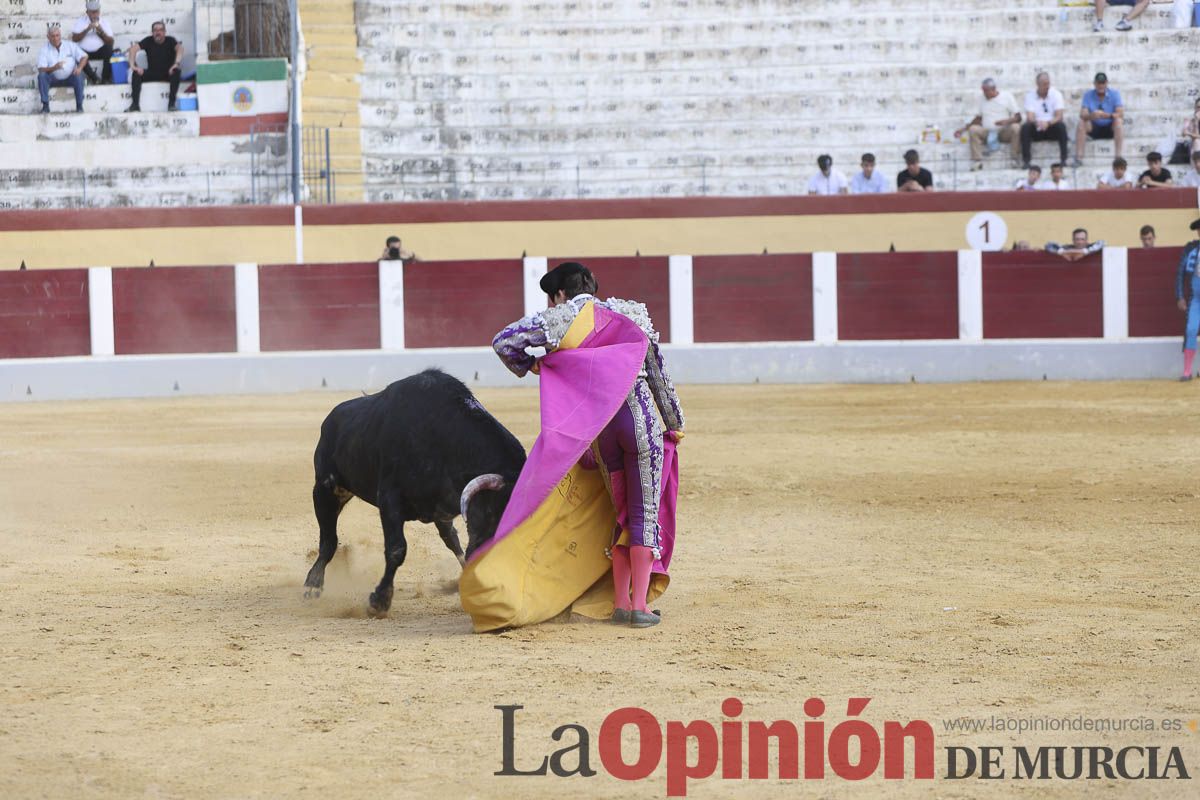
1147	236
1157	176
1030	182
60	64
1043	119
95	37
868	181
996	120
1101	116
914	177
826	181
163	57
1191	131
1079	248
1192	176
394	251
1116	179
1057	182
1138	7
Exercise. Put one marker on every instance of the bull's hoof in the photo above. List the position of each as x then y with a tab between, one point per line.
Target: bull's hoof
379	604
312	592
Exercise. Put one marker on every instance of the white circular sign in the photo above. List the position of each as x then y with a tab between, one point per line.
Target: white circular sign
987	231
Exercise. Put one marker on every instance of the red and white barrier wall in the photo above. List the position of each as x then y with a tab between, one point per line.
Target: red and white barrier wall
962	315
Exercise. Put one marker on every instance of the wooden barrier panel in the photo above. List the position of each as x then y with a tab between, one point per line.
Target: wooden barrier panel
753	298
44	313
1033	294
460	303
1152	310
176	310
898	296
319	306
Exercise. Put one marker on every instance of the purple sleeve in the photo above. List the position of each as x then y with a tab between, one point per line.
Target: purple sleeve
511	343
662	388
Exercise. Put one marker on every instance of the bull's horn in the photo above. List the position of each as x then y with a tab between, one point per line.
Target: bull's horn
489	481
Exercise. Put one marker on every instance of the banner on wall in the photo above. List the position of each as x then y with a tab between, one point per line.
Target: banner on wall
235	95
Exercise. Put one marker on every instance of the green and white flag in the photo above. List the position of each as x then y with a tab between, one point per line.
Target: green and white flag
234	95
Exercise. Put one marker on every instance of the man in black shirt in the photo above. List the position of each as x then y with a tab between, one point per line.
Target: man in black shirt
914	177
1158	176
163	56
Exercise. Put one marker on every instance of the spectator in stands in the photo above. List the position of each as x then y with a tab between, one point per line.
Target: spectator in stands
1101	116
825	180
60	64
1057	182
1191	130
1030	182
1157	176
163	57
1147	236
997	119
1043	119
868	181
1079	248
1192	177
94	36
393	250
914	177
1116	178
1138	7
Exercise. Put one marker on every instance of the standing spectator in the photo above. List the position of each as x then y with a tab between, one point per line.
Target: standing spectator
95	37
1030	182
163	57
1102	116
1079	248
826	181
1057	182
1116	178
1187	297
1192	177
914	177
1138	7
996	120
868	181
1043	119
1146	234
60	64
1157	176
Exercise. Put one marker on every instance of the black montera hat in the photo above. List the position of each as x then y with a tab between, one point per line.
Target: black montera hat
553	280
1195	225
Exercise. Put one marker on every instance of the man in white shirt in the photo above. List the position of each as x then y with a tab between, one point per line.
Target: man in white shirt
868	181
1031	182
1116	178
60	64
1043	119
1192	176
998	119
1057	182
94	37
826	181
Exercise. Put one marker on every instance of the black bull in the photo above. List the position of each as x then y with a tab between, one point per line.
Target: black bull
422	449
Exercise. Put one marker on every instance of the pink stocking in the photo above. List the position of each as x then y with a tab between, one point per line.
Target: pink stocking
1189	356
642	559
620	566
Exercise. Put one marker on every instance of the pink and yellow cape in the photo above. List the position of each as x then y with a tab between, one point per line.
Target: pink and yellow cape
548	553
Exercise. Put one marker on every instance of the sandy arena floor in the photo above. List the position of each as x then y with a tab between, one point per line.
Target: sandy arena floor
1012	550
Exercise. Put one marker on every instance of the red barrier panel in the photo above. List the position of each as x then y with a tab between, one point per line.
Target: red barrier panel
1032	294
44	313
752	298
897	296
175	310
645	279
319	306
460	303
1152	310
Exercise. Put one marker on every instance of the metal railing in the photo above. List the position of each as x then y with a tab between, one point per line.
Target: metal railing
246	28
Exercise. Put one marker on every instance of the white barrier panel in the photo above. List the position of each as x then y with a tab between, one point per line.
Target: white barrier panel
100	310
298	224
824	298
245	301
534	267
970	295
391	305
681	298
1116	292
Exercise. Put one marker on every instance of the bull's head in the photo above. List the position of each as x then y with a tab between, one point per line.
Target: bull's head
482	504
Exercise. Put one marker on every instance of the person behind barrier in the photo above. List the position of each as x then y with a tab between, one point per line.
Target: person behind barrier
393	250
94	36
1079	248
163	58
1147	235
1187	297
631	445
60	64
